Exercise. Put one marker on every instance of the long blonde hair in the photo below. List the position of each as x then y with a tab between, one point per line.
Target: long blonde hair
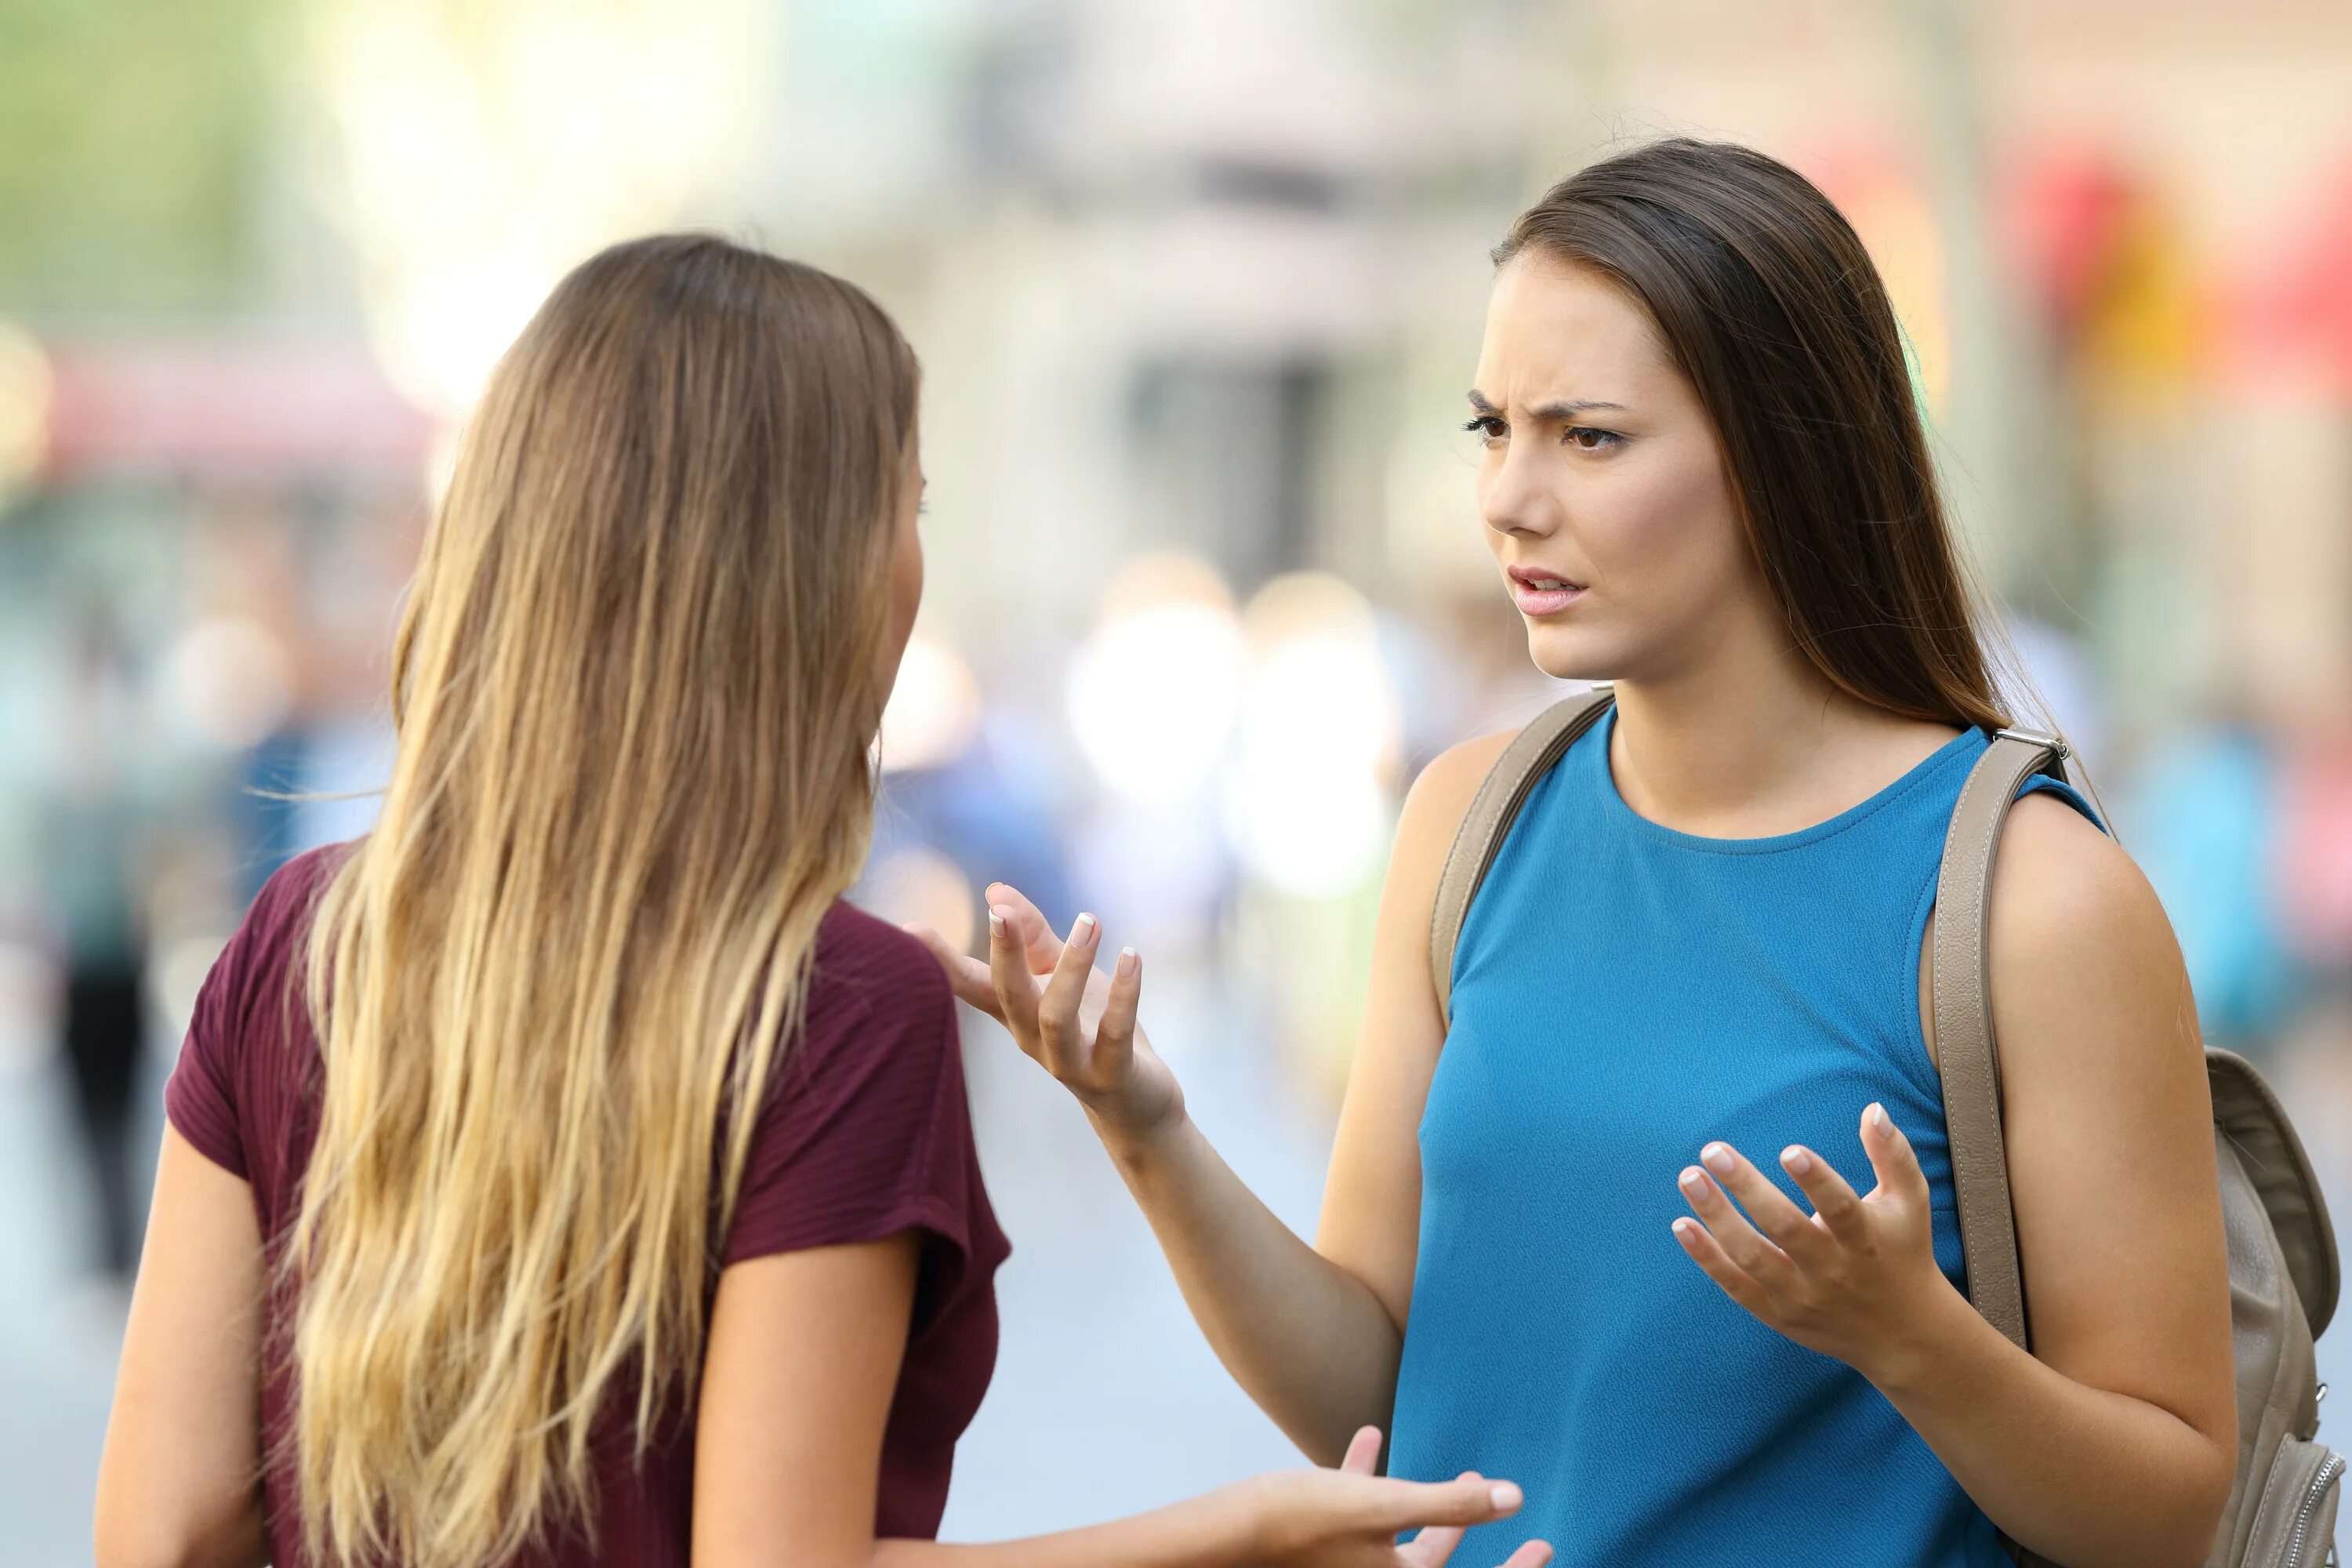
635	688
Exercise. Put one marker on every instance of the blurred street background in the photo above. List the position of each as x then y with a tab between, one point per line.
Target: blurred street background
1197	288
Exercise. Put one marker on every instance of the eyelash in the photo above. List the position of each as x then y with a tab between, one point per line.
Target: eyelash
1477	426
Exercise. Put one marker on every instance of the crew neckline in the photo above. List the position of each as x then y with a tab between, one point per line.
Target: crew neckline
1615	804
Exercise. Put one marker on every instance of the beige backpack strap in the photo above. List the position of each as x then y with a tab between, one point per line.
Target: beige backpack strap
1526	758
1966	1057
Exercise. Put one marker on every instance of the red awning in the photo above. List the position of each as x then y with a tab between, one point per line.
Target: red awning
228	409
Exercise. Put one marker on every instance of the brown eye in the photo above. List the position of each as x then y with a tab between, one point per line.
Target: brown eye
1604	440
1486	427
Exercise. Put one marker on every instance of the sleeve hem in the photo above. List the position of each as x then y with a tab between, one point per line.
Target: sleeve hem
222	1152
924	1212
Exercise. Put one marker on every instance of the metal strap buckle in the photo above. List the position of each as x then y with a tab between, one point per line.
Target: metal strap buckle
2056	744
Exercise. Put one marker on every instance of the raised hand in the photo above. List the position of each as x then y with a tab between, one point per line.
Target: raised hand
1856	1278
1065	1014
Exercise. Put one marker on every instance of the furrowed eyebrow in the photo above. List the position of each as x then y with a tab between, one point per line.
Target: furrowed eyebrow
1549	411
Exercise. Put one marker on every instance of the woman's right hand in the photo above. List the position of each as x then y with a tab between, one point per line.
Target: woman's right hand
1349	1517
1068	1016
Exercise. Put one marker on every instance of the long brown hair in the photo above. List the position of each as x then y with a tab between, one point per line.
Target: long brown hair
1766	300
635	688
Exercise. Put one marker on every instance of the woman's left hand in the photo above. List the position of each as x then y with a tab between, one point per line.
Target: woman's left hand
1856	1278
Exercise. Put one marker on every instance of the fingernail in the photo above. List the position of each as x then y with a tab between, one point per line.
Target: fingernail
1082	929
1505	1494
1796	1159
1716	1157
1878	1117
1126	962
1693	1182
996	919
1683	1229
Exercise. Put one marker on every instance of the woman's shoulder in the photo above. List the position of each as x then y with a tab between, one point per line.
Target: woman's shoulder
238	1080
2087	979
1441	793
262	952
2065	894
289	893
865	1129
869	981
863	954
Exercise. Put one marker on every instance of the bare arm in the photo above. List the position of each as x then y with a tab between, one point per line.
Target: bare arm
1313	1334
1306	1338
180	1481
801	1366
2114	1442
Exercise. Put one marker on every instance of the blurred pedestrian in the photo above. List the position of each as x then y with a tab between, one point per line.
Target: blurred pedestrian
2204	809
92	841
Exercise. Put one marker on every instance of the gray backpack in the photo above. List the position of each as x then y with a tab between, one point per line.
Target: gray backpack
2282	1263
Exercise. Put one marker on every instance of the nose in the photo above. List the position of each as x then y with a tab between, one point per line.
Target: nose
1514	499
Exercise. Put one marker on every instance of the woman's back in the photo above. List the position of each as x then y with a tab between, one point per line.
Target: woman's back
865	1132
568	1123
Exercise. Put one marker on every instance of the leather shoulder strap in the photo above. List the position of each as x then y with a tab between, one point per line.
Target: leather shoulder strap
1526	758
1966	1059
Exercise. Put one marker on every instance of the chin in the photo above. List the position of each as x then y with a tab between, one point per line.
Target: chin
1567	654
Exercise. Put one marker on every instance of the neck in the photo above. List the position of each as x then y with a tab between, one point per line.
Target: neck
1749	735
1697	750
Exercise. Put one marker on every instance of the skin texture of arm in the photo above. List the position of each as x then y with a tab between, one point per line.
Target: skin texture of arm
2114	1442
803	1363
1370	1224
1314	1334
179	1485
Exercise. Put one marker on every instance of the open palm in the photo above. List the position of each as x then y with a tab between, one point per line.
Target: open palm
1073	1020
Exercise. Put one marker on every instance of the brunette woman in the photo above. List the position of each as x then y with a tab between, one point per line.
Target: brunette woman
1663	1225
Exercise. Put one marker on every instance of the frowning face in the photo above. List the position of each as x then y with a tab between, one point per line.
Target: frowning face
1607	502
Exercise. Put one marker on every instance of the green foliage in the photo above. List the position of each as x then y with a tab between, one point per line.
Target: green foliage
134	141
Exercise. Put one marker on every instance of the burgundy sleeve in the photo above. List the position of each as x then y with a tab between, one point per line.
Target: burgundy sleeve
200	1096
206	1096
866	1131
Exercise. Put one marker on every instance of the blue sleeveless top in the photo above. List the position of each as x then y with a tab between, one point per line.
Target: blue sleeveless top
1622	994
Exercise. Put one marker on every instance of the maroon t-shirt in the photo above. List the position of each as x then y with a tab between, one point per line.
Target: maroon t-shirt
865	1133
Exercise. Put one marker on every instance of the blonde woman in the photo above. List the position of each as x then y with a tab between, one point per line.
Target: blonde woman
466	1251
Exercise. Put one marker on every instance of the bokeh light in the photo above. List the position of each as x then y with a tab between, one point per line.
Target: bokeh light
1309	801
25	397
1154	691
229	682
933	714
481	147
